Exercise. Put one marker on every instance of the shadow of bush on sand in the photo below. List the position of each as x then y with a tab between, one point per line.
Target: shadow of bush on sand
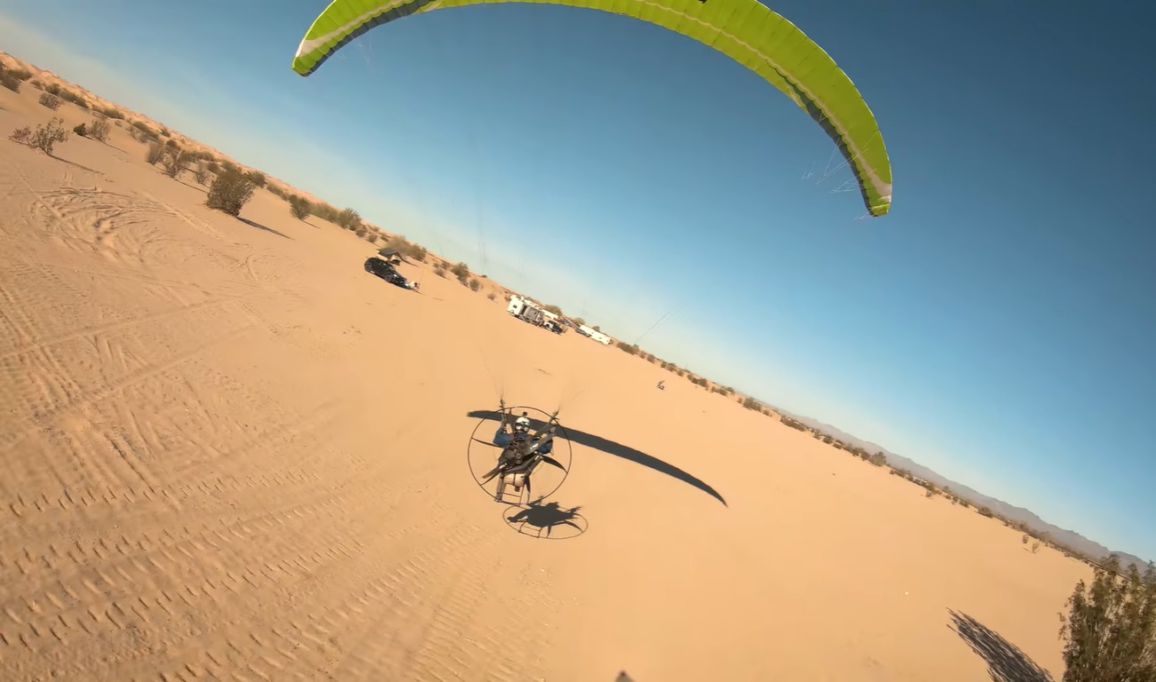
1005	661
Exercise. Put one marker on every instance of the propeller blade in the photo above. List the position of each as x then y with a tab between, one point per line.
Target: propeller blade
550	460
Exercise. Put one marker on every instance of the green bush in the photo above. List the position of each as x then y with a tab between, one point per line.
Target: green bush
1110	628
229	193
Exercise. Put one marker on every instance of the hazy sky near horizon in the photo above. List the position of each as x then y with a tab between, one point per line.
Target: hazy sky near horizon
998	326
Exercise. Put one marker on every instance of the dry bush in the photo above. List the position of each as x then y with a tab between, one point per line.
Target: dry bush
440	271
462	272
229	193
155	153
475	284
492	296
10	81
81	130
47	135
21	135
300	207
49	100
257	178
173	161
98	130
408	248
201	173
147	134
632	349
112	112
349	219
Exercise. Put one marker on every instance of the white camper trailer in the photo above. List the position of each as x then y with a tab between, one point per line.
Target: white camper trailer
594	334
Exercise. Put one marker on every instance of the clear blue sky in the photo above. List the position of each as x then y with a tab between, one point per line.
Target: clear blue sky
998	326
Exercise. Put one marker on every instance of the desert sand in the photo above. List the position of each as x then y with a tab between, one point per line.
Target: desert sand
230	453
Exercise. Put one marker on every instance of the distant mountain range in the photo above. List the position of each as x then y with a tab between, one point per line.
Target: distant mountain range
1068	538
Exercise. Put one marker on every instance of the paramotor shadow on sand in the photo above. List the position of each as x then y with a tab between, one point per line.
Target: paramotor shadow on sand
617	450
546	520
1005	661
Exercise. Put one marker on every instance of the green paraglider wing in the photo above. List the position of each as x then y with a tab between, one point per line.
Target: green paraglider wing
744	30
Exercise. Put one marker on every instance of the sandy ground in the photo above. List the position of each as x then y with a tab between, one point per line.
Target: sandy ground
231	453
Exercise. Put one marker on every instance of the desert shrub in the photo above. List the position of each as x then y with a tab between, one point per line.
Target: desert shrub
229	193
408	248
173	160
440	271
81	130
144	128
9	81
98	130
13	78
632	349
49	100
1035	547
1110	628
984	511
475	284
878	459
257	178
750	403
461	271
47	135
21	135
201	173
553	309
112	112
300	207
348	218
492	296
155	153
68	96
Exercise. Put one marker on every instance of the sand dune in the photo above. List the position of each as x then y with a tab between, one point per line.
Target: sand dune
231	453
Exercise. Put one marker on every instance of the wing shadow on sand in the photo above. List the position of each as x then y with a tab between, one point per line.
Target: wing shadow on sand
1005	661
617	450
